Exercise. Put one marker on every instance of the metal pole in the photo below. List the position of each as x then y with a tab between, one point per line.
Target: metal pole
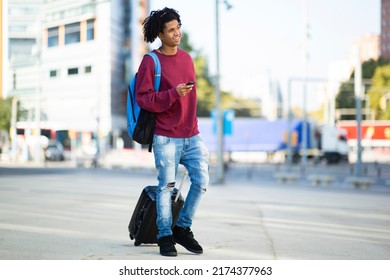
13	128
38	109
358	101
220	148
289	118
332	109
37	134
305	62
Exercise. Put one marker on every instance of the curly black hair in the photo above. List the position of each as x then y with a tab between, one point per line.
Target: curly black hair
155	22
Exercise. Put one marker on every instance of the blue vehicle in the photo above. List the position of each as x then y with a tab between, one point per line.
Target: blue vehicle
270	136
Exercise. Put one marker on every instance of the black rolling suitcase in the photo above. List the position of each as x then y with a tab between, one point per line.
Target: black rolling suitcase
142	226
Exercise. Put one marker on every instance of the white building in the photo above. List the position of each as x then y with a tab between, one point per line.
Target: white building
84	56
22	47
77	65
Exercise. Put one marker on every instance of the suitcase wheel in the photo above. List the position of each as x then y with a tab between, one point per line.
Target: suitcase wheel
137	243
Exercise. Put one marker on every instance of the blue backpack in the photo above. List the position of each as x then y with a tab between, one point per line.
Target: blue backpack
140	122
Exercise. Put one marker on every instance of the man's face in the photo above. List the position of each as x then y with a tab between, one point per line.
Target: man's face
171	34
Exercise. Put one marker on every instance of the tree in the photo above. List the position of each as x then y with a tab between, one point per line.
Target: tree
5	113
379	93
346	96
205	88
369	67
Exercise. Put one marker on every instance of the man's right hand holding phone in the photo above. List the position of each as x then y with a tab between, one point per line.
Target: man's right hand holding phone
183	89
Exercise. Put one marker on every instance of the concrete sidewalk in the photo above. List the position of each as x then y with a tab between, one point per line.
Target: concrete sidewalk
373	174
83	214
340	175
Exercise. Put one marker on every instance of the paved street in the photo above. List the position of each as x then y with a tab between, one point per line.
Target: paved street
75	214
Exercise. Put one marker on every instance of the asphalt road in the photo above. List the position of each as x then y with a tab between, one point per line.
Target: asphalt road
77	214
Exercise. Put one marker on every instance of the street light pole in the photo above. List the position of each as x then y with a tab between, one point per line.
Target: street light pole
219	148
289	118
358	100
218	100
14	111
305	74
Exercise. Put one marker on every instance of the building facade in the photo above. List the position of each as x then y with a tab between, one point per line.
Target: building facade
385	29
3	54
85	49
369	48
23	31
70	63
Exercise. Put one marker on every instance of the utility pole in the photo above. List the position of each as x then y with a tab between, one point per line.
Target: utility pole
218	117
358	101
14	112
38	109
305	74
218	100
289	134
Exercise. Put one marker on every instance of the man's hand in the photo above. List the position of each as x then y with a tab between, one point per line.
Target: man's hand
183	89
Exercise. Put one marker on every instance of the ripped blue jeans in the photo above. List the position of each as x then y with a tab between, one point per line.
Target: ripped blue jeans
168	154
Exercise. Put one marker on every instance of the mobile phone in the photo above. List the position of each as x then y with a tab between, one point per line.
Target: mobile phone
190	83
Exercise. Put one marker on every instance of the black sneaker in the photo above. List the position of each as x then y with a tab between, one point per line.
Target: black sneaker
185	238
167	246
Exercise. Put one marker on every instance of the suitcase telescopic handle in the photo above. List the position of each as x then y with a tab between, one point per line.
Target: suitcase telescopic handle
181	185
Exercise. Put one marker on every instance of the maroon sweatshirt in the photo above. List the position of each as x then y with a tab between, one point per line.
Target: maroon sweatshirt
175	115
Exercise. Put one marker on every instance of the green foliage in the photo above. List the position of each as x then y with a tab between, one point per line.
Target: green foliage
206	91
346	96
5	114
242	107
369	67
379	73
204	87
185	43
379	93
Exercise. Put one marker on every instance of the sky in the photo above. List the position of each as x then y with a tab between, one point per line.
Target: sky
259	37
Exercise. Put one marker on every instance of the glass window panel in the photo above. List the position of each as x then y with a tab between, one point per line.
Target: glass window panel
72	33
90	29
73	71
52	37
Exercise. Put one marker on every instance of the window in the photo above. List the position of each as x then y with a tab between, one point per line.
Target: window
53	73
90	29
72	33
52	37
73	71
18	28
88	69
14	81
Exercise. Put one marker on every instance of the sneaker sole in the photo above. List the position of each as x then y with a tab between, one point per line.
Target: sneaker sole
190	249
172	254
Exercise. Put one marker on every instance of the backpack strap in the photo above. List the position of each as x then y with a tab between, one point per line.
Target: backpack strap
157	79
157	70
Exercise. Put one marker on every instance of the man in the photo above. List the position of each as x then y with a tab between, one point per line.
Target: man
176	140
